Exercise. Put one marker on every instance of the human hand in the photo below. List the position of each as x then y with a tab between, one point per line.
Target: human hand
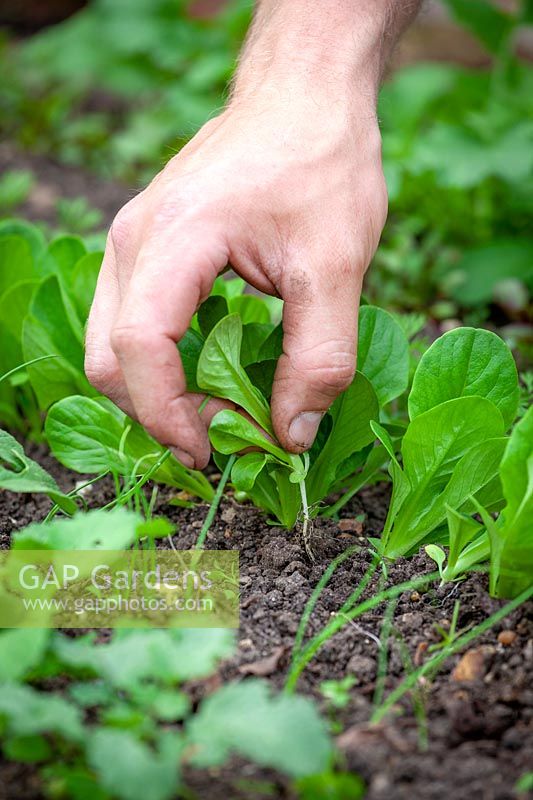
286	186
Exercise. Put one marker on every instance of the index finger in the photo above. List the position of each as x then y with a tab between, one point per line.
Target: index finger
169	281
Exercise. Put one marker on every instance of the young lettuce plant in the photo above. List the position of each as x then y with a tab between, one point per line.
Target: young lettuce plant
235	360
469	545
508	540
464	397
45	294
18	473
511	537
220	373
93	435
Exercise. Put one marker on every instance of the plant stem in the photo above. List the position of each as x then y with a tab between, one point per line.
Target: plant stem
26	364
305	511
312	601
55	508
349	612
385	632
215	503
453	647
123	498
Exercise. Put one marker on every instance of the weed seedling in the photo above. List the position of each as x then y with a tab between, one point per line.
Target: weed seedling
448	634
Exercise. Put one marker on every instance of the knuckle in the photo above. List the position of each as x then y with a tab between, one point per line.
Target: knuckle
102	374
329	369
335	378
157	426
122	227
125	338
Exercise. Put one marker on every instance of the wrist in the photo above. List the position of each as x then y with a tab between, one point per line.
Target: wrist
329	51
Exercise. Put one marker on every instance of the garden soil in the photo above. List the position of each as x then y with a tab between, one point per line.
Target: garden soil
54	181
472	736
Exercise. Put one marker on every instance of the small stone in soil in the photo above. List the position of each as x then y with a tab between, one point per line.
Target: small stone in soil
354	525
473	665
506	638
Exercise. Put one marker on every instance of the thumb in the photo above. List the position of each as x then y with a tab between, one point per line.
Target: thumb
319	353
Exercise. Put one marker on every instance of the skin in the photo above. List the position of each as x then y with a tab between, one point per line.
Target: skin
286	185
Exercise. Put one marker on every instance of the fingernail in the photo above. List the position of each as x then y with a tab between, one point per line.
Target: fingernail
186	459
304	427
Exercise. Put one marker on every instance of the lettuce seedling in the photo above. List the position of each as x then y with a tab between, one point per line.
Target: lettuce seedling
279	476
235	360
93	435
507	541
464	396
511	536
18	473
468	546
449	453
45	294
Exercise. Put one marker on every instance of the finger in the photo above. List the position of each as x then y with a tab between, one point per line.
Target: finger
319	351
212	407
171	277
101	364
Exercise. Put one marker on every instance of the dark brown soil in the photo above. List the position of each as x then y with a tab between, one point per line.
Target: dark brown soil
479	732
54	181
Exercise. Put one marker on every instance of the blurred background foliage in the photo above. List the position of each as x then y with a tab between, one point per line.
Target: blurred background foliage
121	85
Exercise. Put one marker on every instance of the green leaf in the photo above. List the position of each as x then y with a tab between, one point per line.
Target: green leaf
211	312
250	309
93	435
82	284
480	269
262	376
527	19
18	473
449	453
284	731
382	353
135	657
351	414
190	347
61	256
469	545
331	786
246	469
21	649
437	554
30	233
514	572
254	335
220	372
51	329
230	432
95	530
16	262
14	305
462	531
27	712
401	486
490	25
228	288
72	781
130	769
27	749
272	347
465	362
411	93
85	435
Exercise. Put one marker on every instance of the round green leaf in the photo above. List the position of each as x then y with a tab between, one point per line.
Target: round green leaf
382	353
466	362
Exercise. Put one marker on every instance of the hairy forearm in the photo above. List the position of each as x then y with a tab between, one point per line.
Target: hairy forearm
335	44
